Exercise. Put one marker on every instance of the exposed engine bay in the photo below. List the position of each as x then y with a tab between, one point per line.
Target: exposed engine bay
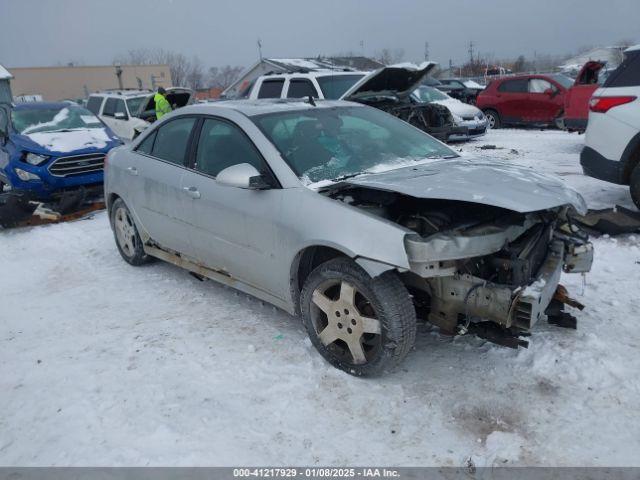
432	118
481	268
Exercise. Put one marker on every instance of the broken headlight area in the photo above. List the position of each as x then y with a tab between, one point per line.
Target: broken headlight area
473	263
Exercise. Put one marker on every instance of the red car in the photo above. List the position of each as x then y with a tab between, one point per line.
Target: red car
576	101
524	100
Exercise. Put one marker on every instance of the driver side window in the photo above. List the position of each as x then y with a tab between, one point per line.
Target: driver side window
221	145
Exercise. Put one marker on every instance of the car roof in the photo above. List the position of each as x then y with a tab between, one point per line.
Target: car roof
43	105
315	73
251	108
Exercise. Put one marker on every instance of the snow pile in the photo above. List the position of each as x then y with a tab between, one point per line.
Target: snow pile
68	141
102	363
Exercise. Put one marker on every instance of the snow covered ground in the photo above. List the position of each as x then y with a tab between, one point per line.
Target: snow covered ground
102	363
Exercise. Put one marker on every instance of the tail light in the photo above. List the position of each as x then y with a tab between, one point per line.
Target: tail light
603	104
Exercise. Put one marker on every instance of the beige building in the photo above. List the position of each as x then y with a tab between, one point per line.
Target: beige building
61	83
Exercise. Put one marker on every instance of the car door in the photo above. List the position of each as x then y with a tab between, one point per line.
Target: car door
157	166
544	102
511	100
576	102
233	229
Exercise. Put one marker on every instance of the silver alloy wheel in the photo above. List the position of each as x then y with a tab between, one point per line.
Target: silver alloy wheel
125	232
491	119
345	325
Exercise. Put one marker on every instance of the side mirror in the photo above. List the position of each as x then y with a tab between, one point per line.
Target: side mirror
550	91
120	116
242	175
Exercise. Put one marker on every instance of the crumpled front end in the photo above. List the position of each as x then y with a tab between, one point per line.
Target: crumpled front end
506	274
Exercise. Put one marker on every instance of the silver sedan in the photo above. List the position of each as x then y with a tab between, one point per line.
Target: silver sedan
349	218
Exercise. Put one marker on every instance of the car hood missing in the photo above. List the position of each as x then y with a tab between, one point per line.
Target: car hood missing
474	180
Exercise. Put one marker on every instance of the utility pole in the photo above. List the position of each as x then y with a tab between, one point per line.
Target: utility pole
471	45
119	75
426	50
362	47
260	49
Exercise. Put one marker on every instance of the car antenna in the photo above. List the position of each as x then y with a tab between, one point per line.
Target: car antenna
311	101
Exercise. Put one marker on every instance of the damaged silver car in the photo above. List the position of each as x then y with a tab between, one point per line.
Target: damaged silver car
350	218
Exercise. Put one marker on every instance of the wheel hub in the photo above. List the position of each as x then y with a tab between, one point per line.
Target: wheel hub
344	321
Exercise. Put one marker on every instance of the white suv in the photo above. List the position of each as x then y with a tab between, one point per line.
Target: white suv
119	109
129	112
322	84
612	143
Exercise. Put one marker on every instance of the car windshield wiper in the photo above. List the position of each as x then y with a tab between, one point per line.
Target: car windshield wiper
345	177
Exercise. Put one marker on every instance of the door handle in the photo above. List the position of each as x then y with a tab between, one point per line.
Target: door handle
132	170
192	192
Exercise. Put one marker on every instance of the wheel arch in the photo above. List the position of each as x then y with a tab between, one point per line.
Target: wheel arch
630	158
304	262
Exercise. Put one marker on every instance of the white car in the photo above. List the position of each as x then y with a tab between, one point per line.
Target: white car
128	112
464	115
612	144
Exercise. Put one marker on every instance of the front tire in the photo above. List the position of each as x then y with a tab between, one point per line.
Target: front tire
634	185
362	325
126	235
493	119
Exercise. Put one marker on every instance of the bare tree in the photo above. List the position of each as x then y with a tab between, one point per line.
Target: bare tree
179	64
194	77
223	77
389	57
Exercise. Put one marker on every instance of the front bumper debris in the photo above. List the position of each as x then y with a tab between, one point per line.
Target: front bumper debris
464	297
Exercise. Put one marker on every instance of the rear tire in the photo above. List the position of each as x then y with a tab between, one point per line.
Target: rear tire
634	185
126	235
362	325
493	119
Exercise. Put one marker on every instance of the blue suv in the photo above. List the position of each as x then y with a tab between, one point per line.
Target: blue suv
48	149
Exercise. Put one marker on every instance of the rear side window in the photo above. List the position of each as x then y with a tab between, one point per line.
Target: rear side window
539	85
147	144
223	145
627	74
301	88
110	107
514	86
93	105
271	89
171	140
120	108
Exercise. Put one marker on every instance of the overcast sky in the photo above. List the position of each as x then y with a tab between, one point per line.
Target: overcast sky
91	32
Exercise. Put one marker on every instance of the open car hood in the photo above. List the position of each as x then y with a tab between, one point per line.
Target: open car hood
474	180
400	80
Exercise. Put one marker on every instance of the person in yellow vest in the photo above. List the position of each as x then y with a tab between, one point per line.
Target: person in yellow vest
162	104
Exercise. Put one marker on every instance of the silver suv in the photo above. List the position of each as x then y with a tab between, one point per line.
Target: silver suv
350	218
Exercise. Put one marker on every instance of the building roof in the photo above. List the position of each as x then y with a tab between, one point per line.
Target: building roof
4	73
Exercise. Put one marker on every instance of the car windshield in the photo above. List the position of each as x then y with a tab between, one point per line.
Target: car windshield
563	80
429	94
333	143
134	104
33	120
334	86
